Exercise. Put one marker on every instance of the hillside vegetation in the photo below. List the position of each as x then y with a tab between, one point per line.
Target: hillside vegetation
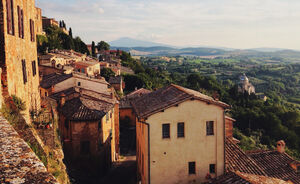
259	123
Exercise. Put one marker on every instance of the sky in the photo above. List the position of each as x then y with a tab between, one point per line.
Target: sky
221	23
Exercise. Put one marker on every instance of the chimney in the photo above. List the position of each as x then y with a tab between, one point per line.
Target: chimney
62	99
52	89
281	146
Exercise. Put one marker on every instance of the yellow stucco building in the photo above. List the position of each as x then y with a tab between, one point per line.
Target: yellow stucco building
180	136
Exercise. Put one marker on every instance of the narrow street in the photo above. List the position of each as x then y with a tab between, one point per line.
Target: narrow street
123	172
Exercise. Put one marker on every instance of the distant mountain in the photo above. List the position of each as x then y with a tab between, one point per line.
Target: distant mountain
130	42
170	51
266	49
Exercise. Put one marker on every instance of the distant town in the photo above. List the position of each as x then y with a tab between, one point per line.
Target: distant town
91	113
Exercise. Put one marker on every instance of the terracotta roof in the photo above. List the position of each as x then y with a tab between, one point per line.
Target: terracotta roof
230	178
166	97
52	79
229	118
276	165
67	92
115	80
46	57
244	178
237	160
125	102
85	109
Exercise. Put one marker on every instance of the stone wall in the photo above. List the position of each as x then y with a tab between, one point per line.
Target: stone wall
18	163
39	22
17	49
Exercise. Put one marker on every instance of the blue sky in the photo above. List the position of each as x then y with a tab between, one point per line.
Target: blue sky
224	23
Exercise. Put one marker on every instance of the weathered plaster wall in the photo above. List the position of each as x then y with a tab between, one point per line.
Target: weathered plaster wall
129	113
170	157
85	83
142	152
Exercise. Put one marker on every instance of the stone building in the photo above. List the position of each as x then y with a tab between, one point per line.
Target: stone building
180	136
39	22
56	82
89	126
117	83
245	85
18	52
47	22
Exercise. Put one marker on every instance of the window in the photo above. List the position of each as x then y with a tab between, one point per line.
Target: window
192	167
32	34
85	147
166	131
33	68
24	71
180	129
21	22
66	124
212	168
78	84
46	94
210	128
10	17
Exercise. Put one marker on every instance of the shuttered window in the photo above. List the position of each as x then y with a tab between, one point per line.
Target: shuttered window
33	68
32	34
192	167
166	131
24	71
180	129
19	21
22	23
209	128
10	17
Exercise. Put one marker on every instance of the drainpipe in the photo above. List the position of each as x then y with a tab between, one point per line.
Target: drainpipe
148	125
224	139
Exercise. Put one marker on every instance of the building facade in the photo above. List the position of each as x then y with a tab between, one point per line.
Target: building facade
89	127
245	85
18	52
180	136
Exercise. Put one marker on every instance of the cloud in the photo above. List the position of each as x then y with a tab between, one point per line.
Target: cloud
231	23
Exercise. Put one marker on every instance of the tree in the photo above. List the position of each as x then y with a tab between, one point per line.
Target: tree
70	32
80	46
93	49
107	73
103	46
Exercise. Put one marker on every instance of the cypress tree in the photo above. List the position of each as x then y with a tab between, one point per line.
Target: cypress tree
93	49
70	32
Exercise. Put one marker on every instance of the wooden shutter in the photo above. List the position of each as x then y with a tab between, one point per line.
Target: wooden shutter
24	71
9	15
32	30
22	23
19	21
33	68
